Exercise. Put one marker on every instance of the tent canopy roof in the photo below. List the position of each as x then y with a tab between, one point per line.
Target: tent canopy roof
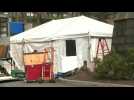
64	28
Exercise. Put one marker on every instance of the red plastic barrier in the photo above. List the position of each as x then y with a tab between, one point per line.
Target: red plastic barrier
47	71
33	72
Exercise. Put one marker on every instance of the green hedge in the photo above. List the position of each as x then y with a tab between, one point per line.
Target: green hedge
116	66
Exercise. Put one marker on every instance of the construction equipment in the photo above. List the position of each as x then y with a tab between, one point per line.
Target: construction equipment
4	55
102	48
39	65
33	65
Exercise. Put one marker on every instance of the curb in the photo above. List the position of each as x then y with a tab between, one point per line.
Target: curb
97	84
7	79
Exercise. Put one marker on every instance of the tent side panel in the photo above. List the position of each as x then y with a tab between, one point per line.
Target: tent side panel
82	48
68	63
16	53
60	52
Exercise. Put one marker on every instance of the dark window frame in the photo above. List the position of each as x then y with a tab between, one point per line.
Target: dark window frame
71	47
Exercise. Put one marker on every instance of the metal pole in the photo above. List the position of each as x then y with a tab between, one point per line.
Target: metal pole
9	20
89	46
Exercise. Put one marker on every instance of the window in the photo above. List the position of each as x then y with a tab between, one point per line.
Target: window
70	48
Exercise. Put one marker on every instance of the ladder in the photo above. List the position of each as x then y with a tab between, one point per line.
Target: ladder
102	48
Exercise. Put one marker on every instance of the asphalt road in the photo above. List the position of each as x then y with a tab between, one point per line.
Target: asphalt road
60	83
36	84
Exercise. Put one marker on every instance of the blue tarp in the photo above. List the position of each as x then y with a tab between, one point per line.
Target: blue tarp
16	27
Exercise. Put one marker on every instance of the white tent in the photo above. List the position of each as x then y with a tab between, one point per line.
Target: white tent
85	31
